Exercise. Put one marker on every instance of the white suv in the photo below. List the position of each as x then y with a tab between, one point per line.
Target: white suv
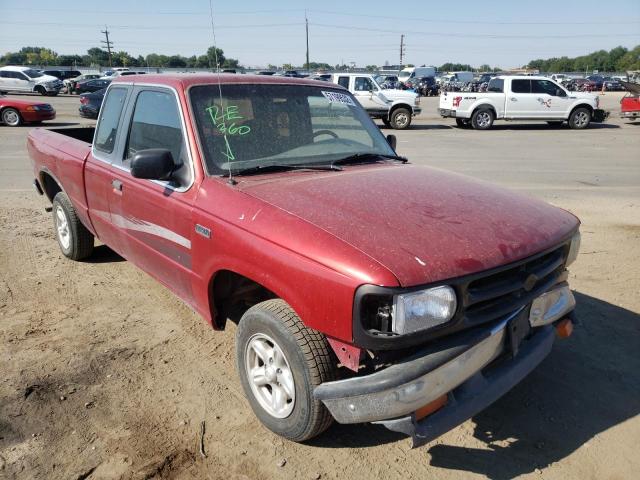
25	79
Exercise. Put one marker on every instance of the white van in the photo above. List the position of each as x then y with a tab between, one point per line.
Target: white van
25	79
416	72
461	77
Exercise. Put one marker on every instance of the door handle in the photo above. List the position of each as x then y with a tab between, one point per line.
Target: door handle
513	99
116	184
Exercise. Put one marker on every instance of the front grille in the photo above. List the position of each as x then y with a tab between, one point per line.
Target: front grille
498	294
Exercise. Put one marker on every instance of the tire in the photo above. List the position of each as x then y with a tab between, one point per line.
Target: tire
400	119
300	354
76	242
482	119
386	122
11	117
41	90
462	122
580	118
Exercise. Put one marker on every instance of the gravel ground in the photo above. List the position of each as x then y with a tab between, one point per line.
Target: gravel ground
106	375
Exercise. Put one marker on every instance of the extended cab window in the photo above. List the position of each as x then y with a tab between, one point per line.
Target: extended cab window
156	124
521	86
109	117
344	81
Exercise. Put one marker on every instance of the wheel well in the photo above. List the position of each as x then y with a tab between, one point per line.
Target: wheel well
49	185
581	105
400	105
484	107
232	294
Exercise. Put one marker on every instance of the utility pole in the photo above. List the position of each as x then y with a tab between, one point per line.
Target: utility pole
402	45
306	23
108	43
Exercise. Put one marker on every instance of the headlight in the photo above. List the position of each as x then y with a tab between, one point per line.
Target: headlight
423	309
573	249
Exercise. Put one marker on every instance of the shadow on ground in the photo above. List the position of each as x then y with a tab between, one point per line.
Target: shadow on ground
588	384
103	254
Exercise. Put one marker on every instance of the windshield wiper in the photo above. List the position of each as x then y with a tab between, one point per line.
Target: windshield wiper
364	157
285	166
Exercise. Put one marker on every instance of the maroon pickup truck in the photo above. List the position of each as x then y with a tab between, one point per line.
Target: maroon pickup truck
364	288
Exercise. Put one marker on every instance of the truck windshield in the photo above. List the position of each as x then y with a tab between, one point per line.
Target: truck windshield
253	126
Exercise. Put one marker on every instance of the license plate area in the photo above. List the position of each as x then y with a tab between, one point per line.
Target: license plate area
518	329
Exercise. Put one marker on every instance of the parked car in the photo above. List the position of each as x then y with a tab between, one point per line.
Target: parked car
14	112
395	108
580	85
596	80
413	73
290	73
265	72
325	77
613	84
365	288
522	98
72	82
87	86
426	86
25	79
630	103
90	103
62	74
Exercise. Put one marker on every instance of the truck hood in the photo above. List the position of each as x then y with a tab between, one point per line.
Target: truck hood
422	224
395	94
46	79
586	95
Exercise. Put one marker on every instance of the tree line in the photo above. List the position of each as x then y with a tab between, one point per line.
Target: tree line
619	59
99	57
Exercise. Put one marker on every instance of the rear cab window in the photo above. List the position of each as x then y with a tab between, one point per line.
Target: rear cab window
521	86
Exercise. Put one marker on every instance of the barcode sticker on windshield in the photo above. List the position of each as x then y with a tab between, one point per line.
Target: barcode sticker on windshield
339	98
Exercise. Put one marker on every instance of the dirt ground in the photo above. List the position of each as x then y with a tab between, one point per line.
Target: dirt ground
104	374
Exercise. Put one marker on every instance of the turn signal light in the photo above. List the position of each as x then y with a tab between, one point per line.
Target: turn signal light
564	328
429	408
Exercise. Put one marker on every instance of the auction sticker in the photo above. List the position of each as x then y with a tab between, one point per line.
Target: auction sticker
339	98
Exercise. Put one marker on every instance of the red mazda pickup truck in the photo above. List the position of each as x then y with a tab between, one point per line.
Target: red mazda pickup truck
364	288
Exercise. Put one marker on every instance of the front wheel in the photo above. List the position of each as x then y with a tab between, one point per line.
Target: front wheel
41	90
400	118
280	362
482	119
11	117
580	118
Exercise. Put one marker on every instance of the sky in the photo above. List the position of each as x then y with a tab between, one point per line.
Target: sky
498	33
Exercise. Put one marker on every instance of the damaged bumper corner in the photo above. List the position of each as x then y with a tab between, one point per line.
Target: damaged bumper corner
456	367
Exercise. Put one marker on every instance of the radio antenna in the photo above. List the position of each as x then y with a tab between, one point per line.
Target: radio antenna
229	153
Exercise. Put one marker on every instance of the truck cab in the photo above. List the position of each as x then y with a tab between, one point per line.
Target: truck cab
521	98
395	108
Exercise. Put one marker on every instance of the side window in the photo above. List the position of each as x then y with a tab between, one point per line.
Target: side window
543	86
363	84
521	86
156	124
344	81
496	85
3	74
105	138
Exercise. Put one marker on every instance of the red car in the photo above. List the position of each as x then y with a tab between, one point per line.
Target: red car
630	103
14	112
365	289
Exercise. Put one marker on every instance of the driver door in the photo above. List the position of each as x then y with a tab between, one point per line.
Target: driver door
552	100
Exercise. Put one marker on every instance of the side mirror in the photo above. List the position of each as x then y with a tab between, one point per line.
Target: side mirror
392	141
153	164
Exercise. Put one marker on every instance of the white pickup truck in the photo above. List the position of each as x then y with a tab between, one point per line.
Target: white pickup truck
521	98
394	107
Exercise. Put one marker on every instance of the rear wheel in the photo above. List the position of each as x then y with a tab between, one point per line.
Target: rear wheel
400	118
76	242
280	362
11	117
482	119
580	118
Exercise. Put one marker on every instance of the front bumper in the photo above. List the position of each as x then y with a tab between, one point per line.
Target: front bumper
457	366
445	112
599	115
38	116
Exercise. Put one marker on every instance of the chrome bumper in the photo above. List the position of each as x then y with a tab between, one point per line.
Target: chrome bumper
403	388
